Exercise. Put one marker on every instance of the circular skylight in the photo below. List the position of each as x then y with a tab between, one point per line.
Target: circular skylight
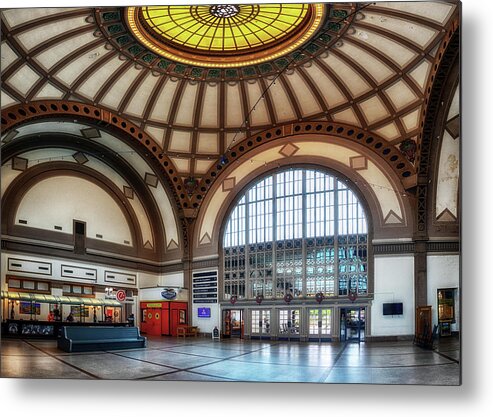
224	35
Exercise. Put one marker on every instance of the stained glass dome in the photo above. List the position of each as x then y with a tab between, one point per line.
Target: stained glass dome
224	35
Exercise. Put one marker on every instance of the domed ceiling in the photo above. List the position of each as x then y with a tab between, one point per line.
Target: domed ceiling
198	80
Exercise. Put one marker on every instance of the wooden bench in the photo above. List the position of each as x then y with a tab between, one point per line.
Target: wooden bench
85	339
185	331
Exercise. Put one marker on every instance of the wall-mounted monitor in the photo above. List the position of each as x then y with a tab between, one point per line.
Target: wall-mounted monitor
392	309
204	312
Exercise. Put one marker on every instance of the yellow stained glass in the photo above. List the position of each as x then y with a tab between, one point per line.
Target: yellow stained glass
209	35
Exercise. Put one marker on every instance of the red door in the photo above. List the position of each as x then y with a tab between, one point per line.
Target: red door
165	320
153	326
178	316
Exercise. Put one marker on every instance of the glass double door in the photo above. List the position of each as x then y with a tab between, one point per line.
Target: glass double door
261	323
320	323
352	324
289	324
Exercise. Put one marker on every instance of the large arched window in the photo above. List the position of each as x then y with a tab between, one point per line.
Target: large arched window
297	231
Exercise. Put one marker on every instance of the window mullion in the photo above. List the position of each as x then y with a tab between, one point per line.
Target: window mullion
274	234
336	237
247	247
303	233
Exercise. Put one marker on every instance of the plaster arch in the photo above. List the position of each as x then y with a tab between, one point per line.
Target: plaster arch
114	151
389	206
45	174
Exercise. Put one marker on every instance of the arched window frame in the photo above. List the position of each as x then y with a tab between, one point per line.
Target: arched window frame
262	264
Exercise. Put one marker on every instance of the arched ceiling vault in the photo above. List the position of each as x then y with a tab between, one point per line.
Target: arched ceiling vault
369	67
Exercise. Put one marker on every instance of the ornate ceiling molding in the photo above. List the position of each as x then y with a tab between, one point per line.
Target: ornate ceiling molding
117	30
397	160
19	114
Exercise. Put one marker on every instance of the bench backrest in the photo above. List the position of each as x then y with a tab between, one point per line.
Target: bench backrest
90	333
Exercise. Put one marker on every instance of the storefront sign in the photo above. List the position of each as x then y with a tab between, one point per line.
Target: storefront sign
121	295
169	294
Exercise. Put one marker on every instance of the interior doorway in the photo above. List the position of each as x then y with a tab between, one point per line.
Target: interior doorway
233	323
352	324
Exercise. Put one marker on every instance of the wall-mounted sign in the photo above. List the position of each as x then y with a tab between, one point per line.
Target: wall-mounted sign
204	287
168	294
204	312
121	295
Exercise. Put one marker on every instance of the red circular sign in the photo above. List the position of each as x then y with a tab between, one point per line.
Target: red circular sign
120	295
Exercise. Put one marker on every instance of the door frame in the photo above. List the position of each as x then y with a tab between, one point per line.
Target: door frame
319	336
360	326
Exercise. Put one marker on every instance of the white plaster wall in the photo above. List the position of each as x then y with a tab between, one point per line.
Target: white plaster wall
394	282
175	279
148	280
154	294
59	200
443	271
56	268
206	325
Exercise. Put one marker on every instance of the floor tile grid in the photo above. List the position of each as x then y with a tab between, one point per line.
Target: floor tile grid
62	361
191	369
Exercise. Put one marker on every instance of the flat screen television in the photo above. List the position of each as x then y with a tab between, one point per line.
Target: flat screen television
392	309
204	312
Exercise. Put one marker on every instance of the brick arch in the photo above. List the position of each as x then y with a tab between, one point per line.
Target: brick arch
375	144
19	114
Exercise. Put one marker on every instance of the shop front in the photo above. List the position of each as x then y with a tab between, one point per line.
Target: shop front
162	318
42	315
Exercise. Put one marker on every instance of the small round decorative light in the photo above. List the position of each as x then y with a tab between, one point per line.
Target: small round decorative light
224	10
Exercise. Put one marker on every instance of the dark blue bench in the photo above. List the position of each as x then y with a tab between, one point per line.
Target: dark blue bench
85	339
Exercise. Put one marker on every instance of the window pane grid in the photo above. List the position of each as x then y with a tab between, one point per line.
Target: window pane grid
306	233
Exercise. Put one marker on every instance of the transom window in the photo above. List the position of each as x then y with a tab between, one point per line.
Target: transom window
299	232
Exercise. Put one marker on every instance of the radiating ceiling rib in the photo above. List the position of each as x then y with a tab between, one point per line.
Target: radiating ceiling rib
174	108
399	72
316	92
111	81
362	71
32	24
32	64
222	117
132	90
88	72
292	97
268	101
152	100
405	16
76	54
391	35
246	108
11	92
42	47
47	45
342	87
197	113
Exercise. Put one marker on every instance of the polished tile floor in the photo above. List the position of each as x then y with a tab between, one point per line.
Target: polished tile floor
202	359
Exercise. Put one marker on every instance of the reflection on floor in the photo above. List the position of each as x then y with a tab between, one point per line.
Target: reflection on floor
203	359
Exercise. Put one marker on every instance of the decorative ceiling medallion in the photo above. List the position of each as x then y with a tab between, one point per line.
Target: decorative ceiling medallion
224	36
